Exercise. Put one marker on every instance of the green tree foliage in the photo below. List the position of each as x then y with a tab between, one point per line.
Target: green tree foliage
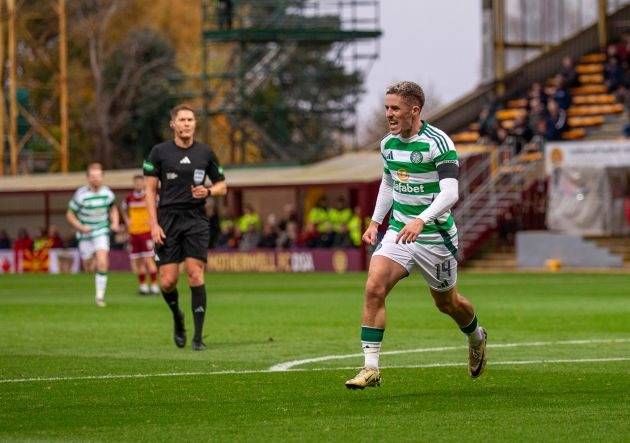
307	105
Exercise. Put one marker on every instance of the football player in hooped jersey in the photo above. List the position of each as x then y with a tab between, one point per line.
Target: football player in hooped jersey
179	226
420	186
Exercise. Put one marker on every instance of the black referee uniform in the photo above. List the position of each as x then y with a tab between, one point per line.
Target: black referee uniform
183	218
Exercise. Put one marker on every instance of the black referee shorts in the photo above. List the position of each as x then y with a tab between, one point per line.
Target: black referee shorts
187	235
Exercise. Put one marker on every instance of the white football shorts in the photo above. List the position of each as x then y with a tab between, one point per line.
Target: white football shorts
436	263
88	246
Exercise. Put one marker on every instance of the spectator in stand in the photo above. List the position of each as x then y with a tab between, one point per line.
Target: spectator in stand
54	238
507	231
339	215
5	241
227	238
487	122
537	112
560	93
568	72
355	227
613	74
309	237
623	48
250	238
500	136
326	236
538	140
556	121
342	238
521	133
213	223
269	238
318	215
41	241
289	237
290	215
23	241
537	92
249	218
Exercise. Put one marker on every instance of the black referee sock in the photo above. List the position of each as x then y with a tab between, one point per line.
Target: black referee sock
171	299
198	299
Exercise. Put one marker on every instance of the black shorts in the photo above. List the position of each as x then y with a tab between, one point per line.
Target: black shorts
187	235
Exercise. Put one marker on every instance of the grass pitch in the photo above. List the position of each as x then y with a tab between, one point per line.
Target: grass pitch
559	365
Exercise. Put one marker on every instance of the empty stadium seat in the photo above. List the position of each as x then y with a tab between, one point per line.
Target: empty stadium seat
590	68
589	79
510	114
589	89
594	99
597	57
574	134
579	122
465	137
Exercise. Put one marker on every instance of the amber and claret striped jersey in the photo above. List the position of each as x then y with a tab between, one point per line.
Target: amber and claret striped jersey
136	209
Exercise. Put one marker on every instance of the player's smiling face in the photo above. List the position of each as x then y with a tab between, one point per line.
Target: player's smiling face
400	115
184	124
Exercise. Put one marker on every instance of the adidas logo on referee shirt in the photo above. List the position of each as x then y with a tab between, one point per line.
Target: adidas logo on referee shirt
185	160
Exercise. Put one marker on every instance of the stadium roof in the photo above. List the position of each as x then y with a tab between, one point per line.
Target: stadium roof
356	167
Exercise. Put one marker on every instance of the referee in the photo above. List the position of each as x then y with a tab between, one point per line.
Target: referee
179	227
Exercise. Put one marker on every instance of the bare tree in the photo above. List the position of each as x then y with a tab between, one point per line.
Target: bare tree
113	96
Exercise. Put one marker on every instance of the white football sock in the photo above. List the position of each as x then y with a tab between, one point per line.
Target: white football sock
476	336
371	352
100	281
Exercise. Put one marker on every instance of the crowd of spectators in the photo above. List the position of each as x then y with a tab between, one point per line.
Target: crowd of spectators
543	117
48	238
545	106
335	226
325	227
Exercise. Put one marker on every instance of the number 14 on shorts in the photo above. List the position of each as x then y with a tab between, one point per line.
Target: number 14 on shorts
443	269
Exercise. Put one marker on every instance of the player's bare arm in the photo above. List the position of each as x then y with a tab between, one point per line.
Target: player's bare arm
371	233
157	234
76	224
114	218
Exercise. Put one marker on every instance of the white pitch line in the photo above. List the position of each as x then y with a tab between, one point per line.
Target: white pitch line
291	364
267	371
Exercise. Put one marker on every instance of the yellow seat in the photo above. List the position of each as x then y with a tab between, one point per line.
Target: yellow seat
589	68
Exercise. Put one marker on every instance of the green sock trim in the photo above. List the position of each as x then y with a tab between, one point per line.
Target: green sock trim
101	273
371	334
470	328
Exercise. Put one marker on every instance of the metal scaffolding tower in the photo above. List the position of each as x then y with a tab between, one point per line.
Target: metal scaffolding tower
252	45
38	125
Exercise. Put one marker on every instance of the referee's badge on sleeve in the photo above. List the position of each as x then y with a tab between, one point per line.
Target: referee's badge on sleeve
198	176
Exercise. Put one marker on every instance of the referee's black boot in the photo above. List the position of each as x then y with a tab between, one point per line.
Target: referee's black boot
179	332
198	345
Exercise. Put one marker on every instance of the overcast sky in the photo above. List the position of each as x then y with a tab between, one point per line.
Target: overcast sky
434	43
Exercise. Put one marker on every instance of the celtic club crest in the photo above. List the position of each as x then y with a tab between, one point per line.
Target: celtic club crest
416	157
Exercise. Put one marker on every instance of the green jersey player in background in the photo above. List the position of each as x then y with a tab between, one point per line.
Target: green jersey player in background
420	186
93	214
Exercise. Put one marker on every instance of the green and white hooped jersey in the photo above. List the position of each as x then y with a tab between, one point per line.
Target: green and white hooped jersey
92	209
412	164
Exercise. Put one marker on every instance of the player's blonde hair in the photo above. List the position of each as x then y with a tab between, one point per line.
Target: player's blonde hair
410	92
